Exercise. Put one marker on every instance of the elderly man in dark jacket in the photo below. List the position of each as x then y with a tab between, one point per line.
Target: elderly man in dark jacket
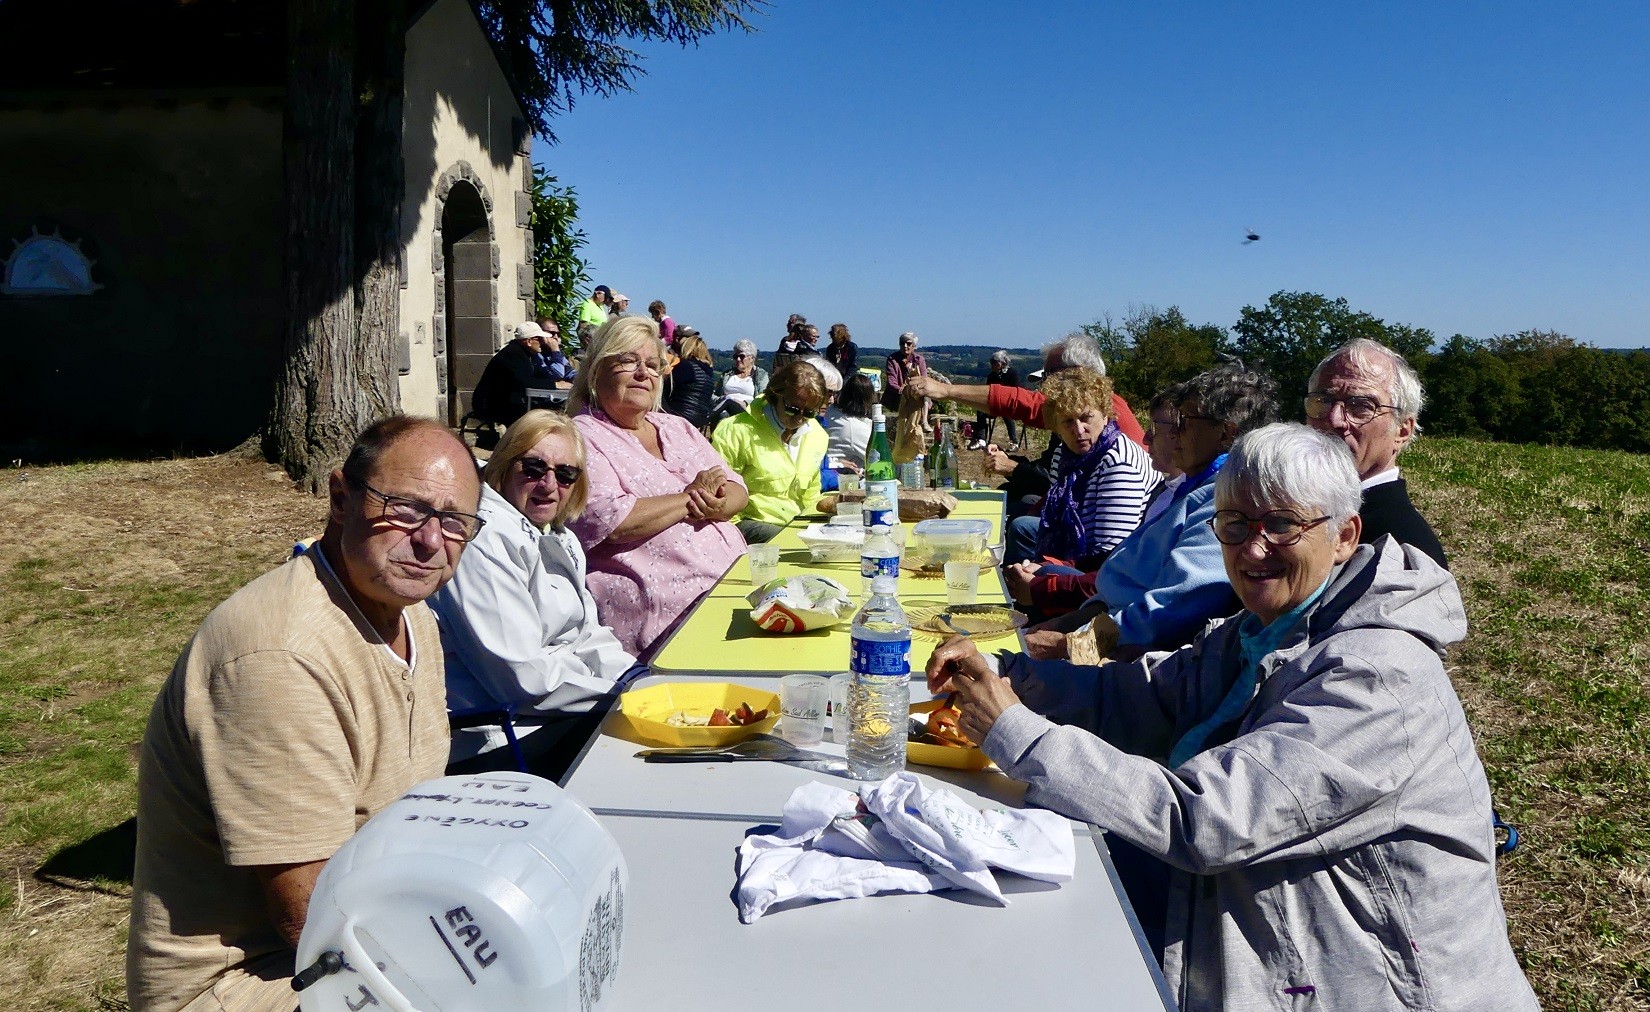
501	393
1367	395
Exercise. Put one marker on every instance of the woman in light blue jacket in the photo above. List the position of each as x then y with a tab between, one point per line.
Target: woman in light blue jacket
517	624
1303	769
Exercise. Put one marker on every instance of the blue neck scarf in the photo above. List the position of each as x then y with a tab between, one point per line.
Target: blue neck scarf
1062	534
1255	642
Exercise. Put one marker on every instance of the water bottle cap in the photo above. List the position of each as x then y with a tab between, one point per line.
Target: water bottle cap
880	529
884	585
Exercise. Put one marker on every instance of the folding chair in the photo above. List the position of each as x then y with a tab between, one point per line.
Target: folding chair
504	716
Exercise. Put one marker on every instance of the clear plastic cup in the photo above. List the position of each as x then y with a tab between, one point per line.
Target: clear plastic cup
764	560
962	582
802	703
841	691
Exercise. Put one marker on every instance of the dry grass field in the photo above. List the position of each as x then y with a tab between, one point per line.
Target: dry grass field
116	563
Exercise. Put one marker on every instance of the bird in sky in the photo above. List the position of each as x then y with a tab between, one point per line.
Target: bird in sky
1251	236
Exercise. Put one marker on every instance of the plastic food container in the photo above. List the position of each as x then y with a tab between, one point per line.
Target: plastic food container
925	754
644	713
492	891
834	542
941	541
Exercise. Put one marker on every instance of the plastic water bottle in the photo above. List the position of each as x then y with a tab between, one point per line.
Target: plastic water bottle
879	557
880	660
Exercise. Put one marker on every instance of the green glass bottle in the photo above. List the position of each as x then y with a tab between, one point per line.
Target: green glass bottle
879	456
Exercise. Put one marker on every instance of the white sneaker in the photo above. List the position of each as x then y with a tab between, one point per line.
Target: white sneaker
978	444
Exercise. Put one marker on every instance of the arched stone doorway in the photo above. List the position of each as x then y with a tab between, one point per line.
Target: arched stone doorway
470	303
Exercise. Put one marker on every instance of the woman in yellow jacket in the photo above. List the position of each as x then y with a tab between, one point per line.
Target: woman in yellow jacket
776	446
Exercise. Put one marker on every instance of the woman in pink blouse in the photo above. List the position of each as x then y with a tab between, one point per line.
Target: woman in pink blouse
655	530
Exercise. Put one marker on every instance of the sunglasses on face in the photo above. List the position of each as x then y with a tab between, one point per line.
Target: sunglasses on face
534	469
794	410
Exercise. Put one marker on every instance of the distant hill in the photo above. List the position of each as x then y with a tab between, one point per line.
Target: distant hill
957	362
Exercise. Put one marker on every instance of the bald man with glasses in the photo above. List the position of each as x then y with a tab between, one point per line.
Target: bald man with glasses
308	701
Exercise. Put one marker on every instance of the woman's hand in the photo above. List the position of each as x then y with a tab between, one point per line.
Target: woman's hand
1045	644
1018	577
999	462
957	666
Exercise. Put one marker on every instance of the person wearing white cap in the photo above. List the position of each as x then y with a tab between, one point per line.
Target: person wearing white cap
501	393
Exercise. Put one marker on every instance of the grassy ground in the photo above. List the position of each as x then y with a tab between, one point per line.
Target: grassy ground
114	565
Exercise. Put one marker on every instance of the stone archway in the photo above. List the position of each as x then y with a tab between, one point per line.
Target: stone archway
465	261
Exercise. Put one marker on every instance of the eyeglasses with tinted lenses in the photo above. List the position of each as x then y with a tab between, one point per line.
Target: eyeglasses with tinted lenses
630	362
1180	423
794	410
1279	527
534	469
740	354
1358	407
411	515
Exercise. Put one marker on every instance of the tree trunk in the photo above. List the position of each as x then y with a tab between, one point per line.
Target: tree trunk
380	188
336	379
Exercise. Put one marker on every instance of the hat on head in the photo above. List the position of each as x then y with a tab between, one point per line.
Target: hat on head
604	290
527	330
618	297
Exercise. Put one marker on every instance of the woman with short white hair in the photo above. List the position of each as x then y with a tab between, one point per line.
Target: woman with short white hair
1303	768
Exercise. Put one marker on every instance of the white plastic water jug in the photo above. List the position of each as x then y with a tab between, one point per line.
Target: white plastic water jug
495	891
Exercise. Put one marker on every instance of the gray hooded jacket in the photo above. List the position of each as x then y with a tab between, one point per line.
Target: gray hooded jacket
1331	847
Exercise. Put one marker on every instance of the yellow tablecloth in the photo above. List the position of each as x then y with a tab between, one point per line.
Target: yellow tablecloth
719	637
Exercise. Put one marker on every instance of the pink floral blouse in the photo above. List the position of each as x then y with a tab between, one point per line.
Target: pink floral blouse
643	588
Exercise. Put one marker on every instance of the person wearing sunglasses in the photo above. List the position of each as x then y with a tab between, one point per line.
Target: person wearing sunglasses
1369	396
1302	773
657	526
518	625
777	446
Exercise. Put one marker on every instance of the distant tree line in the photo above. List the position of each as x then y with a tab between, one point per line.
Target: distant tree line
1531	387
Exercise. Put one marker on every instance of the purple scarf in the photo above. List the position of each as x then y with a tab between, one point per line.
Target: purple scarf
1062	534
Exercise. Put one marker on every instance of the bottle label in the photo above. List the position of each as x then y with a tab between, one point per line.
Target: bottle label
873	566
875	516
880	657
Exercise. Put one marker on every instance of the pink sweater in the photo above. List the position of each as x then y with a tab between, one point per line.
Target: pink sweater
644	587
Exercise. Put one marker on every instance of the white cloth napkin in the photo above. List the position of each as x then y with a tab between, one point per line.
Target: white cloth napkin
899	835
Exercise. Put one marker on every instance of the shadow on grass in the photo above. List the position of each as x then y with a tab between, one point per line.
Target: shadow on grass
96	863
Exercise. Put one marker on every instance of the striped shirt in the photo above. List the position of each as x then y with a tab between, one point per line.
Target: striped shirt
1113	499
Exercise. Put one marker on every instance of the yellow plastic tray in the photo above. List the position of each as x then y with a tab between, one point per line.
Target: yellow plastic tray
943	755
643	712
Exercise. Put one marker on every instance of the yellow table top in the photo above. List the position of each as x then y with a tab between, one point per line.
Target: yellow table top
719	637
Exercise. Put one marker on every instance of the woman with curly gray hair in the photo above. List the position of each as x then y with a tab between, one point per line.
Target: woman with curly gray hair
1166	580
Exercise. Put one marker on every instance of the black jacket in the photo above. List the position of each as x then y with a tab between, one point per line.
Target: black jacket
501	393
1387	510
689	390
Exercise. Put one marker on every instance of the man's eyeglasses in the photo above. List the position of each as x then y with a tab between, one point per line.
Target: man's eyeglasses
794	410
535	468
411	515
630	362
740	354
1279	527
1358	407
1185	416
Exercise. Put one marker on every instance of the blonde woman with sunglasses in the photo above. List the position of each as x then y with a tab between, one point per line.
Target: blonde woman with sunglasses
517	624
776	446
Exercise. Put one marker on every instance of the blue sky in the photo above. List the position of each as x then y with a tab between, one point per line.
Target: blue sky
992	173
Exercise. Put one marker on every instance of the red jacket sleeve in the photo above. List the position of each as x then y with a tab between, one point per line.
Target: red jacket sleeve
1059	593
1126	420
1015	402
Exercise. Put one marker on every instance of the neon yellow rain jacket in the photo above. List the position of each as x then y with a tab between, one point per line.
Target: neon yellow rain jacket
780	488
